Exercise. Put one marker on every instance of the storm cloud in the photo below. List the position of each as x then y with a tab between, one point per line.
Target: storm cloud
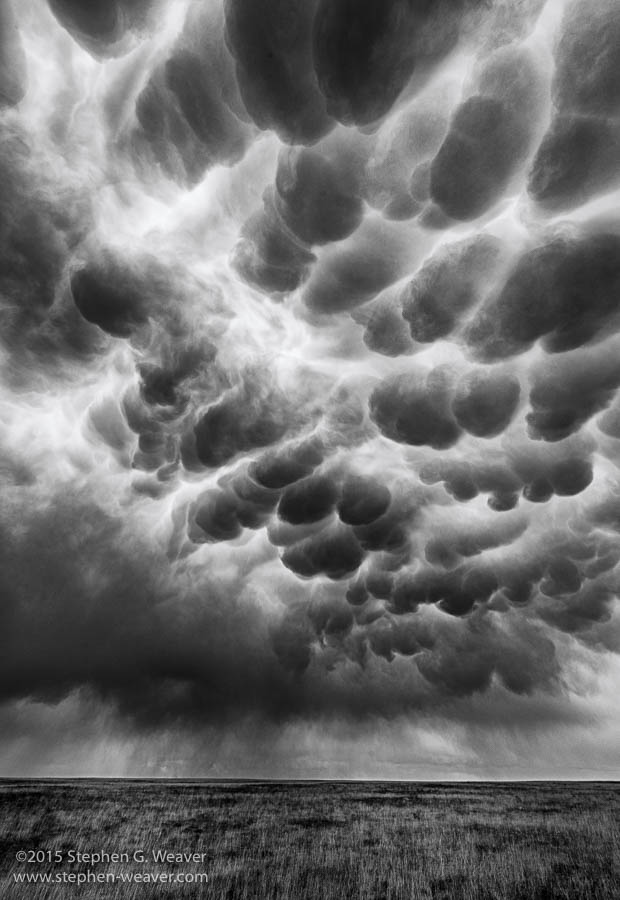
309	374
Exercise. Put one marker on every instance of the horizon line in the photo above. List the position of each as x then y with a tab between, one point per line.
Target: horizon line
241	780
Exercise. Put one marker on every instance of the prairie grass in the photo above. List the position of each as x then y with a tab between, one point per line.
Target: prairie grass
330	840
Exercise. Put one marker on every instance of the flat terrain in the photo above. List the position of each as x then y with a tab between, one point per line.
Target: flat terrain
346	841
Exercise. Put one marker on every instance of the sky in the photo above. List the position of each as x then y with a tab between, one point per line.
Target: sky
309	371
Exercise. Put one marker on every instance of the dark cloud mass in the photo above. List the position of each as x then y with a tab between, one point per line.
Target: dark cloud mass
317	199
366	52
309	379
273	55
268	254
363	501
308	500
334	552
414	409
485	403
244	419
109	295
563	292
101	25
489	137
577	159
190	115
353	272
447	285
578	156
568	392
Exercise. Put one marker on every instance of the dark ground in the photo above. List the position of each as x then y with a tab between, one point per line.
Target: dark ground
296	841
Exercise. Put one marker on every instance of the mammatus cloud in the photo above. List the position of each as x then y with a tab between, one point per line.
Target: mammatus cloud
309	374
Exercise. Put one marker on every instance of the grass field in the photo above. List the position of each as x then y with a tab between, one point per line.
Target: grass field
346	841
